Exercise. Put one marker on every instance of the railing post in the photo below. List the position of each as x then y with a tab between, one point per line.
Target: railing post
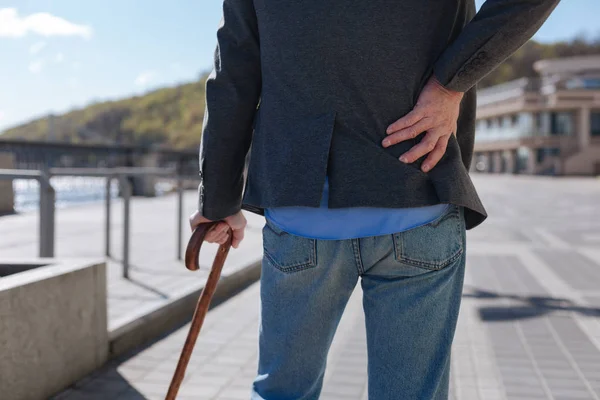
179	215
126	193
107	226
47	208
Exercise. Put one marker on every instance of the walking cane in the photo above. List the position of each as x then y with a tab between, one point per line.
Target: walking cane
191	262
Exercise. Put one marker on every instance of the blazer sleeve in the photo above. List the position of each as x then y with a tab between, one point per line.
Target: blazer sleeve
497	30
232	95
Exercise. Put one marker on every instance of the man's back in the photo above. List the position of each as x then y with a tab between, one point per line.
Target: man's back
330	77
334	75
367	61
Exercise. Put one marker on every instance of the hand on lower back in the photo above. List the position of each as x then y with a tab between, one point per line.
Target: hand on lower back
219	234
436	113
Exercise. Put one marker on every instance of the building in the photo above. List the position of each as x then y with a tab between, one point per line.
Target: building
549	124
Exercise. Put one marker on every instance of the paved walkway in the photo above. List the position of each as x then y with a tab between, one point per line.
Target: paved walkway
529	326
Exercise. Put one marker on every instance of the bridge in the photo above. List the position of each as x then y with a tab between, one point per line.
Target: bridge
40	155
46	155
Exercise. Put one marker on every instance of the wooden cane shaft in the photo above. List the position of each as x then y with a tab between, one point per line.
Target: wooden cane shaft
191	262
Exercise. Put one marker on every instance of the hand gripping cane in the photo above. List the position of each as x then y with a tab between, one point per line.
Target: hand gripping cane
191	262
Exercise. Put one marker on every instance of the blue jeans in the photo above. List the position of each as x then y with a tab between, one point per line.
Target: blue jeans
412	284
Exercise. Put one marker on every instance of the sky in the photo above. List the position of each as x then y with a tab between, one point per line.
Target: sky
57	55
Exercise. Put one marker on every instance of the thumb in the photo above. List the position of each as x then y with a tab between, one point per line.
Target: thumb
237	222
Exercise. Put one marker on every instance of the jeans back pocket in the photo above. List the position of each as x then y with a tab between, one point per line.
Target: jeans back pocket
435	245
287	252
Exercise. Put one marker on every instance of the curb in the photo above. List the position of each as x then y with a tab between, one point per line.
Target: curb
149	324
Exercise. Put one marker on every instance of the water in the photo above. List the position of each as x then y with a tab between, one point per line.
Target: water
70	191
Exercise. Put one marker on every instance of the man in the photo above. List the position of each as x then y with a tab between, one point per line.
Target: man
361	119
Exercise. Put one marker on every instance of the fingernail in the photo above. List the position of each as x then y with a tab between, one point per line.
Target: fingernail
386	143
388	130
403	159
426	167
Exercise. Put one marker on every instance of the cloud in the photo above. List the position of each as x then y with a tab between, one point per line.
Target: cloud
2	115
58	58
36	47
35	67
145	78
12	25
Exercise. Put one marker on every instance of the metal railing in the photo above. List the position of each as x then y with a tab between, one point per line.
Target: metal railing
47	202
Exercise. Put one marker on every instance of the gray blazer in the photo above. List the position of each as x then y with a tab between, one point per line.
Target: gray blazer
311	85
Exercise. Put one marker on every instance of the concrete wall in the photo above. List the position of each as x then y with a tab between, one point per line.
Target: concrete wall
6	189
53	328
583	163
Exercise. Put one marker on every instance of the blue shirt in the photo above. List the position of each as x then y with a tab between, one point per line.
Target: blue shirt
349	223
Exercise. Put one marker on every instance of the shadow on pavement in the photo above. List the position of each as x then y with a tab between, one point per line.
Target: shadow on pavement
530	307
110	382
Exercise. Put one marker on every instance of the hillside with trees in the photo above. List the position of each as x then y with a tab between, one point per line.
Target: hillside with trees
520	64
173	116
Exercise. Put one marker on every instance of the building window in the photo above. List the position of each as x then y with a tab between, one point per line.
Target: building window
591	83
561	123
540	155
538	122
583	83
514	119
595	123
543	153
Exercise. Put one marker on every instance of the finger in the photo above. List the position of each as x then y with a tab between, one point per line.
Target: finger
215	232
410	132
424	147
238	236
222	238
436	154
219	237
409	119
